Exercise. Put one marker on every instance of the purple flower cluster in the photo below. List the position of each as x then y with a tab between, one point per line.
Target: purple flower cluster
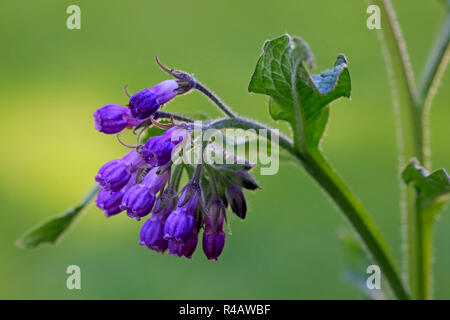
145	181
132	182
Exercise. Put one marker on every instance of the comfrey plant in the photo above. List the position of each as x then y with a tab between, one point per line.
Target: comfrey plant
145	182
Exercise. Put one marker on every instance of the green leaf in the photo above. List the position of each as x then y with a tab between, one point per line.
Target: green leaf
51	231
433	189
282	74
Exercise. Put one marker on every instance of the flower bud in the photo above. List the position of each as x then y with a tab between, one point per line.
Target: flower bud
214	237
191	244
109	201
176	248
236	199
186	248
146	102
216	215
152	233
157	150
138	201
156	179
115	174
179	225
181	222
189	198
165	203
244	179
113	118
213	244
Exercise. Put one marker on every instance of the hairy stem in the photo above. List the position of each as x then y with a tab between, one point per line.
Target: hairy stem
215	99
411	114
433	72
245	124
324	174
436	63
327	178
169	115
409	137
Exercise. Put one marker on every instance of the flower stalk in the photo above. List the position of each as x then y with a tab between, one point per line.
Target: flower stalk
412	107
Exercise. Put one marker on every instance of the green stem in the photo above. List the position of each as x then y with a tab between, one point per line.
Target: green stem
409	136
215	99
320	169
411	114
436	63
434	69
324	174
176	177
433	72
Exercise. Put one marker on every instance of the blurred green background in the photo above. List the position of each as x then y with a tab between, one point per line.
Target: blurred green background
54	78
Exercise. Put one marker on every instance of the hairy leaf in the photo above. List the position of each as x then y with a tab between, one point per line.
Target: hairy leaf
433	189
51	231
282	73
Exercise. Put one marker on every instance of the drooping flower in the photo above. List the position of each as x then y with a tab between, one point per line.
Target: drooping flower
139	199
186	248
146	102
157	150
213	236
181	222
109	202
113	118
244	179
152	232
236	199
115	174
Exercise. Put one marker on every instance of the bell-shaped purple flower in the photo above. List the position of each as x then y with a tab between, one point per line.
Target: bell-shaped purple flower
138	201
109	201
213	244
181	222
152	233
186	248
156	179
179	225
146	102
115	174
213	236
176	248
113	118
190	245
157	150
